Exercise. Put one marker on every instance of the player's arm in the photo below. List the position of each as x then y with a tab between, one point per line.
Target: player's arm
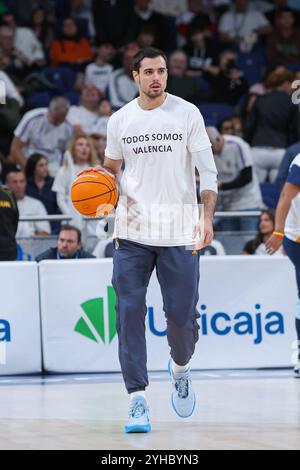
112	166
289	192
205	164
17	156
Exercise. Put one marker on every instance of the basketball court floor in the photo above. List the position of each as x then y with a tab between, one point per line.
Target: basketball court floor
235	410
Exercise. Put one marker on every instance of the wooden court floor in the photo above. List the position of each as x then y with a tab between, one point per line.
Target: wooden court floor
235	410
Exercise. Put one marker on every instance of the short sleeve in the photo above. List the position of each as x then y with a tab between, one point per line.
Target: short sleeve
23	129
294	175
113	148
197	136
244	154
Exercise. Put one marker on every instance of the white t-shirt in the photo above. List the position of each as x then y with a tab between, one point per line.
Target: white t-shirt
39	135
122	89
28	44
158	202
31	207
292	226
242	24
80	116
98	75
235	156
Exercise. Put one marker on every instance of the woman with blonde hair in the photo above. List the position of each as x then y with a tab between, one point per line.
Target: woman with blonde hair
80	155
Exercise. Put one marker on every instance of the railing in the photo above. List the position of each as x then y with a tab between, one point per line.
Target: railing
63	218
232	241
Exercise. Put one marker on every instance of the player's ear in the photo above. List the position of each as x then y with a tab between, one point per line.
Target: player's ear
136	76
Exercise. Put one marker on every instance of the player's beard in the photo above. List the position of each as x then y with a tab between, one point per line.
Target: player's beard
155	94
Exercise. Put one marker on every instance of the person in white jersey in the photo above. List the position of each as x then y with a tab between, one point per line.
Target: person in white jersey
161	139
287	231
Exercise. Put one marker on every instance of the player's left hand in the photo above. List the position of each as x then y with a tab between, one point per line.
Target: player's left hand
273	244
204	233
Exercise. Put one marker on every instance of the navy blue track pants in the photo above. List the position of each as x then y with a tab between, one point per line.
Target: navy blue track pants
178	274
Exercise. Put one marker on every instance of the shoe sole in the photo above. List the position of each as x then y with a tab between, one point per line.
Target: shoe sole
138	429
173	406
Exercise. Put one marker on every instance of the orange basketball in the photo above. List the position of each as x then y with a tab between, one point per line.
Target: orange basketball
94	194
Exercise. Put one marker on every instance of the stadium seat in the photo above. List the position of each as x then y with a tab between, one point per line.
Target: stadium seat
213	113
40	99
73	97
252	65
63	78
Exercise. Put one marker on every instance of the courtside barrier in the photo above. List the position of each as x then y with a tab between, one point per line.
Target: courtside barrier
247	307
20	333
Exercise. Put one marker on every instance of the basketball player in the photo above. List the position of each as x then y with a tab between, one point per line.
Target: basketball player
287	231
161	139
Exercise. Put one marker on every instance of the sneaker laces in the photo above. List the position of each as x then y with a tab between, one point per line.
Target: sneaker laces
137	409
182	386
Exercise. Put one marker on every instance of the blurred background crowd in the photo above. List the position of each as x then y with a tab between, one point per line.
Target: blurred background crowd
65	67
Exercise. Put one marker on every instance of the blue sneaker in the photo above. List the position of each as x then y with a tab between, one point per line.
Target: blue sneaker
183	396
138	421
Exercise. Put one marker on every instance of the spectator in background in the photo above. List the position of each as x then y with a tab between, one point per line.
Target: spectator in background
28	206
179	83
113	21
272	125
201	50
81	11
238	186
122	88
146	20
24	10
85	116
43	131
9	218
11	90
70	48
243	25
238	129
80	156
98	72
25	47
231	126
226	126
196	15
265	231
10	112
41	27
283	45
229	85
99	131
39	184
69	246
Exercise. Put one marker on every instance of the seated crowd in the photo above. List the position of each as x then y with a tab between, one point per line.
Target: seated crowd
66	67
